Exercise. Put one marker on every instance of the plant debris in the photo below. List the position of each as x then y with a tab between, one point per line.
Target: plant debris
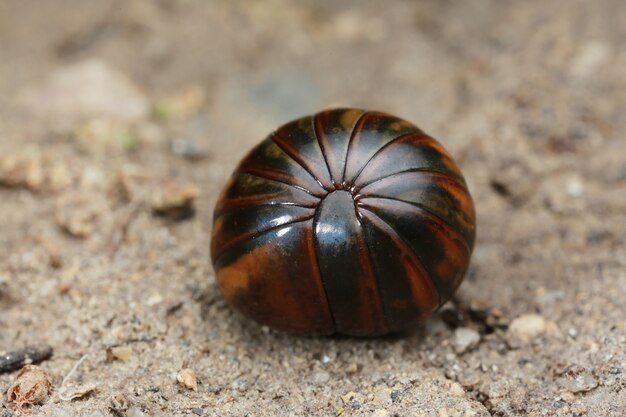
34	173
68	392
32	386
188	379
175	201
30	354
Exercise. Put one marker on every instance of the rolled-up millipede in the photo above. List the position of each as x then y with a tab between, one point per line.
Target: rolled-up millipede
348	221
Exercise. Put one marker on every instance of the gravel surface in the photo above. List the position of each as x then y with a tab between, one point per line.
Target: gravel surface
121	120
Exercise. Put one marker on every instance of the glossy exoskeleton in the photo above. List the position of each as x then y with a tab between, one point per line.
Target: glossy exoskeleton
349	221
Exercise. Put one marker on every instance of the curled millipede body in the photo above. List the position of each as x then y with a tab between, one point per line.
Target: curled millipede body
347	221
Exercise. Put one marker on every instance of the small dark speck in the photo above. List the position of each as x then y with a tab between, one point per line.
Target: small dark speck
355	405
395	395
522	362
500	188
598	236
614	370
174	308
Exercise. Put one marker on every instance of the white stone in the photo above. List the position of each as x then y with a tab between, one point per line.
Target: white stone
525	328
465	339
457	390
321	377
383	396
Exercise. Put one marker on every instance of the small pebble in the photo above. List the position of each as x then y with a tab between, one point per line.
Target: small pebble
154	299
575	188
383	396
352	398
465	339
525	328
198	411
188	379
321	377
352	368
579	379
457	390
122	353
135	412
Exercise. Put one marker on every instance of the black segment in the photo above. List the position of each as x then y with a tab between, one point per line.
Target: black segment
350	285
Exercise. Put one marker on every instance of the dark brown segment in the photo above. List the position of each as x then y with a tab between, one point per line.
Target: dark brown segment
437	193
333	129
298	140
249	222
408	293
409	152
249	190
372	132
345	265
442	251
268	160
275	280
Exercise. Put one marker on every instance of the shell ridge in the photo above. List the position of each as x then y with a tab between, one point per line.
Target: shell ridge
286	147
367	256
278	180
266	174
382	149
235	241
319	134
395	237
279	194
459	180
234	207
423	208
356	130
426	213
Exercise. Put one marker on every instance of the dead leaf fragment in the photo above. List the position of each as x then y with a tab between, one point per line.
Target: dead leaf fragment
71	393
33	172
174	200
32	386
188	379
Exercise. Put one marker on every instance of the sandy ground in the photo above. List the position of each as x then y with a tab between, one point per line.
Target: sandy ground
528	96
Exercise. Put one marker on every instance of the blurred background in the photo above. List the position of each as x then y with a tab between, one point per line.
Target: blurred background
120	121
